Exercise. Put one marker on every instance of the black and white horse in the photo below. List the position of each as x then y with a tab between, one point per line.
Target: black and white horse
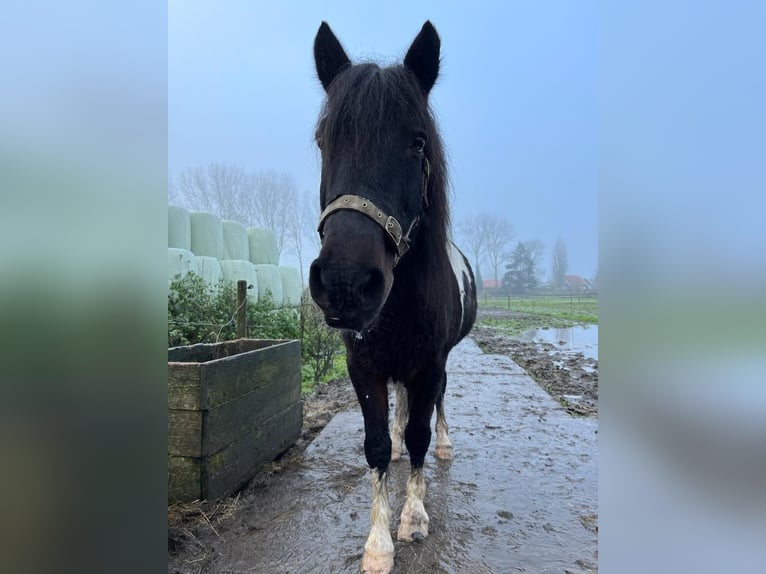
388	273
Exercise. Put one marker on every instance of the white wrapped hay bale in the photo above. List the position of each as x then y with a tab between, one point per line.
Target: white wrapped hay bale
179	228
180	262
291	286
263	246
236	244
269	279
206	234
234	270
209	268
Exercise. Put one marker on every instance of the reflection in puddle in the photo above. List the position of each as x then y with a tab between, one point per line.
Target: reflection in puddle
581	339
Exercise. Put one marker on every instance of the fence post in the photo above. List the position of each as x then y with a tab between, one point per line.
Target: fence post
241	309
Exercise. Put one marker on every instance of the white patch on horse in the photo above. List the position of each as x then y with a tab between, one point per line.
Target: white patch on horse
460	270
414	520
443	443
400	421
379	548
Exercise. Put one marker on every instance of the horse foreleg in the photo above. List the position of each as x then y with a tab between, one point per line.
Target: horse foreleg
372	394
379	548
422	395
400	420
443	448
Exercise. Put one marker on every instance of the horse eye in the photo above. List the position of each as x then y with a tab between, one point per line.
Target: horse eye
319	141
419	144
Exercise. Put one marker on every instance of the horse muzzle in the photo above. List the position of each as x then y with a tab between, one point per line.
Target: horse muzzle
350	295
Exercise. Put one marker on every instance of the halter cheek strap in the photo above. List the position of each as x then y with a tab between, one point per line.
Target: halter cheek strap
390	225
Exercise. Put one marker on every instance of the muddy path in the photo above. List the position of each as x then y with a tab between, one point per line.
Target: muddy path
520	495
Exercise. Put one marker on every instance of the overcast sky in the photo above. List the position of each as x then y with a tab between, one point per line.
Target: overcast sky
516	99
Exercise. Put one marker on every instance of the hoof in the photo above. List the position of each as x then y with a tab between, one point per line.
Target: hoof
443	452
409	532
396	455
414	523
373	563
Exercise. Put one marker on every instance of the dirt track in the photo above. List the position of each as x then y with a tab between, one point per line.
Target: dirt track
521	494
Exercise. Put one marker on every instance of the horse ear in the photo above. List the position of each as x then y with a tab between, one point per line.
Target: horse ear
423	57
328	55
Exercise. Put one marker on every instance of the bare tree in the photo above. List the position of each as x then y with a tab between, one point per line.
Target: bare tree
312	209
174	197
559	263
537	250
472	239
217	188
497	234
302	235
273	203
261	199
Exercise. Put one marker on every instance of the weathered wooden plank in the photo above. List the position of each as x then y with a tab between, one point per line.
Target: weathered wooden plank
233	466
206	352
228	422
184	478
232	377
185	432
185	386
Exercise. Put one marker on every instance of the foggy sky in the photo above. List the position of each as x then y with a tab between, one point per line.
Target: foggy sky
516	100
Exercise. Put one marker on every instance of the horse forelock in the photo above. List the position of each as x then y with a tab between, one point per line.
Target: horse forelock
361	104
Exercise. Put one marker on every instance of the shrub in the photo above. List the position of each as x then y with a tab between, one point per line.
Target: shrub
321	346
200	313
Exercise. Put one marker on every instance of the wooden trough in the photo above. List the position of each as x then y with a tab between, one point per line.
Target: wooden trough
232	406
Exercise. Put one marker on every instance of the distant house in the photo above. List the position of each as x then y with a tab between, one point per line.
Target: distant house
492	283
576	283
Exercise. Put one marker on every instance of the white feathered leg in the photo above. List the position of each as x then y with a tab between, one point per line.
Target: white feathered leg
414	520
400	421
379	549
443	448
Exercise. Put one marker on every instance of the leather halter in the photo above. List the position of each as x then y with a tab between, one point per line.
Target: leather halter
389	223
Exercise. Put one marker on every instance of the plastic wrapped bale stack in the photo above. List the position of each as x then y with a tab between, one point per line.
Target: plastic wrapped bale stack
236	244
209	268
235	270
180	262
206	234
269	280
179	228
291	286
263	247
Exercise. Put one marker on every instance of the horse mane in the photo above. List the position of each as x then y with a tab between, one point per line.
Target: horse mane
361	101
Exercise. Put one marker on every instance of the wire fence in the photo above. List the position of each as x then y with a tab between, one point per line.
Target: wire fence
234	321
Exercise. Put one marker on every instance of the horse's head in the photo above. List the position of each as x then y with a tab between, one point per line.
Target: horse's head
376	136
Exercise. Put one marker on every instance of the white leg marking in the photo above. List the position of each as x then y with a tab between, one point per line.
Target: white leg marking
379	549
400	421
414	520
443	443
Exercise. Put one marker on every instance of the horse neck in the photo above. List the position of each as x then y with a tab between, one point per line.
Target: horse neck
423	264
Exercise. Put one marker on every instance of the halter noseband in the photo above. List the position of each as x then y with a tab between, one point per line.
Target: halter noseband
389	223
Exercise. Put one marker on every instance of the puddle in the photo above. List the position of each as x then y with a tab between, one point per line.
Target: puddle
580	339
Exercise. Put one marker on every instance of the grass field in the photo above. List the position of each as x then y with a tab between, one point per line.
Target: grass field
517	314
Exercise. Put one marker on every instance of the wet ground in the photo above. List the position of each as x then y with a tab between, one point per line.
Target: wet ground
564	365
519	496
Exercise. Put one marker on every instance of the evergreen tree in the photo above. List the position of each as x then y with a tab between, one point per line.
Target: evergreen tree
520	277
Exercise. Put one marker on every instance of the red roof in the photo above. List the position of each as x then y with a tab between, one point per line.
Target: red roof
491	283
576	281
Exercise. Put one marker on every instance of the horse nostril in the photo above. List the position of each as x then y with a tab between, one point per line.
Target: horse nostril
318	292
370	288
